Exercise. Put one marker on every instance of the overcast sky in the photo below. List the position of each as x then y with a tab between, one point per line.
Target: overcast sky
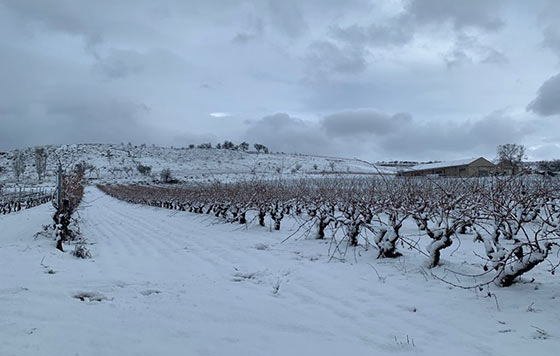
379	80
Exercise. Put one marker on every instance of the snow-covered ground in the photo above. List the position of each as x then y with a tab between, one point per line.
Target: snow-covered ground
172	283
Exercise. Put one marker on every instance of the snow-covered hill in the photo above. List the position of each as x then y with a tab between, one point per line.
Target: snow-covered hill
114	162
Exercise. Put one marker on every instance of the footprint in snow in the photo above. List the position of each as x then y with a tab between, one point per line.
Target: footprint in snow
90	297
262	247
238	277
253	277
149	292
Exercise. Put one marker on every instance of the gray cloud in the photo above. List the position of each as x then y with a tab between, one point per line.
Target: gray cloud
76	122
418	17
461	14
53	102
284	133
372	134
454	138
397	33
287	17
457	56
353	123
467	49
469	138
95	22
400	29
547	102
548	20
254	29
494	56
119	63
552	39
66	16
325	58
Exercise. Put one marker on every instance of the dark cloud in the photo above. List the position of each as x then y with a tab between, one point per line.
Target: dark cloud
468	138
65	16
547	102
97	120
58	102
95	22
76	122
284	133
480	14
552	39
401	28
548	20
353	123
377	135
327	58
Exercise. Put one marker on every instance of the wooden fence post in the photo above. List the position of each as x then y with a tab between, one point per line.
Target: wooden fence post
59	187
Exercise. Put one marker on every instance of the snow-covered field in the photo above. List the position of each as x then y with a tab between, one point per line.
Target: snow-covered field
173	283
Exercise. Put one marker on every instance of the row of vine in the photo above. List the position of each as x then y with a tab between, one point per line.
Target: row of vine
517	219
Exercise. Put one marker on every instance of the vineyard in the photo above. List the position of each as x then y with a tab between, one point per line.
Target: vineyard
69	196
515	219
207	260
11	202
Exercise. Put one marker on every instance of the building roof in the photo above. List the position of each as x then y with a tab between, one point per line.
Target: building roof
456	163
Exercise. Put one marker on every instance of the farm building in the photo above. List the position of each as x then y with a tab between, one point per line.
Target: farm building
472	167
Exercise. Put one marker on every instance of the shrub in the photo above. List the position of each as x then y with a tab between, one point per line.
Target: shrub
144	170
166	176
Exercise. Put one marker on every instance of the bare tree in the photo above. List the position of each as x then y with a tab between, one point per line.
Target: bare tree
166	176
511	154
40	162
260	148
244	146
19	164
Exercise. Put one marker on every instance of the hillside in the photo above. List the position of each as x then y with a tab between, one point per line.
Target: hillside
114	163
